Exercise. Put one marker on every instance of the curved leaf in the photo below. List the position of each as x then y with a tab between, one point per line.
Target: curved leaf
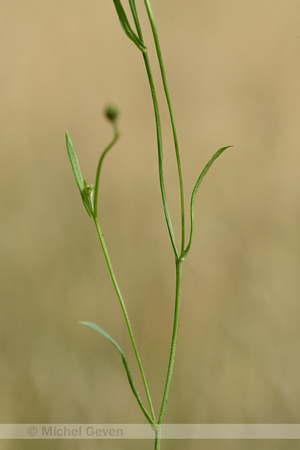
198	182
107	336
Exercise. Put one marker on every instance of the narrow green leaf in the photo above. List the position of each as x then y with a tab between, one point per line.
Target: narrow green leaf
107	336
206	169
74	163
195	190
127	28
85	191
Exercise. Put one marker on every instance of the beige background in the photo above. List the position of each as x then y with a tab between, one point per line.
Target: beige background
233	69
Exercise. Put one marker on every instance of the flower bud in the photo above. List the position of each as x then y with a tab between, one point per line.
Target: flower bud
112	113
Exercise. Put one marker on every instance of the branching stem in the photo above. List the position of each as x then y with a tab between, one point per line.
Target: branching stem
111	271
91	205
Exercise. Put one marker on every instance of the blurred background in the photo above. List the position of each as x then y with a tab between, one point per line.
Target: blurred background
233	70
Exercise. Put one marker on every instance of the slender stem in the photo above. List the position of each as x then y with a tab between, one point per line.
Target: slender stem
157	438
110	145
168	98
158	133
110	268
117	289
174	341
179	260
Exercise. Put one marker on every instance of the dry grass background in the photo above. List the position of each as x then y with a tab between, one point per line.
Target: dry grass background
234	71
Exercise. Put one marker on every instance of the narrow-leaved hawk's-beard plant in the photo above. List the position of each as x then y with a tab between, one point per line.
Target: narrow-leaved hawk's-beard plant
89	196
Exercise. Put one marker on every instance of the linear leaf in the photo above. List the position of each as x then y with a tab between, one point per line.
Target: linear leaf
107	336
197	185
127	28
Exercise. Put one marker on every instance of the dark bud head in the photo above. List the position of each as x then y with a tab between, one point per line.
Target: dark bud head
112	113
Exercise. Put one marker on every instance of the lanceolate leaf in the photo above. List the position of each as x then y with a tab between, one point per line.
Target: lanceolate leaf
107	336
85	191
127	28
74	163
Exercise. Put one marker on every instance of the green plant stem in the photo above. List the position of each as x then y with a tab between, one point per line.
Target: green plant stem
174	341
158	132
110	145
172	354
117	289
179	261
171	113
160	156
110	268
157	438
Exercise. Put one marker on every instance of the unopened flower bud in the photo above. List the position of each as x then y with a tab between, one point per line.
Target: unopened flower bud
112	113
